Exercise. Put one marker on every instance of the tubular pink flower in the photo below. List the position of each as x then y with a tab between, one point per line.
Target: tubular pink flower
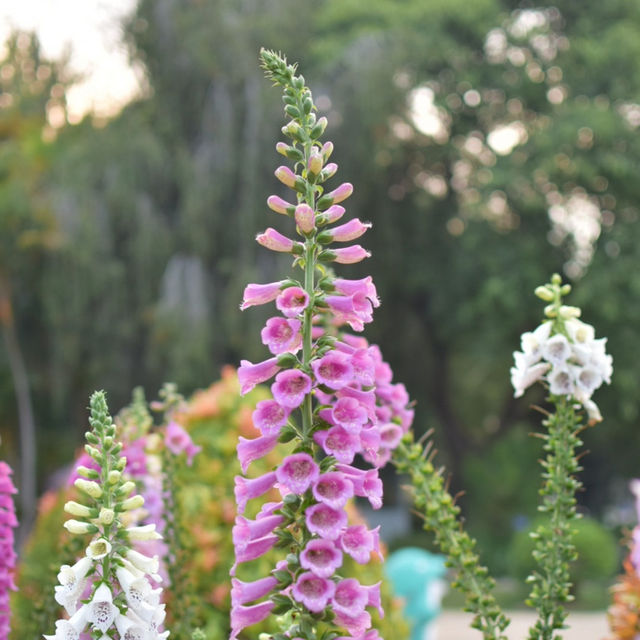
338	443
282	336
269	417
366	398
390	435
272	239
242	617
313	591
255	294
250	375
356	625
298	472
349	414
333	489
245	531
327	150
363	367
326	521
178	440
243	592
246	489
359	542
350	597
333	370
341	193
350	255
290	388
277	204
363	286
286	176
349	230
292	301
373	597
322	557
305	218
8	522
329	170
253	549
250	450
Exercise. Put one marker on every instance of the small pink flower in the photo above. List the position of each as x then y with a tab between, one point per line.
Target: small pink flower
356	625
255	294
250	450
349	414
286	176
305	218
272	239
390	435
269	417
245	530
321	557
250	375
349	230
242	616
359	542
281	335
355	309
292	301
253	549
366	484
290	388
178	440
243	592
333	370
326	521
373	597
313	591
338	443
341	193
363	286
333	489
350	597
277	204
350	255
297	472
246	489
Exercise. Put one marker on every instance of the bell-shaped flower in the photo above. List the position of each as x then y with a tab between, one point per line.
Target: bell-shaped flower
359	542
98	549
321	557
356	624
339	443
292	301
72	628
247	489
349	230
138	593
272	239
350	255
313	591
305	218
282	335
101	611
72	582
250	375
245	530
243	616
333	489
269	417
290	388
350	597
244	592
255	294
349	414
325	521
250	450
277	204
298	472
333	370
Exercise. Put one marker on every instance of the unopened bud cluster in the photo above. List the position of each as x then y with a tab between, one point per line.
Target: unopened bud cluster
108	591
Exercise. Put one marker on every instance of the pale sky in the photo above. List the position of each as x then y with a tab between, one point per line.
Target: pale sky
89	28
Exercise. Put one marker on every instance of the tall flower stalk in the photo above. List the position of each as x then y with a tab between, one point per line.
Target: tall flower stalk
8	522
332	398
564	354
107	592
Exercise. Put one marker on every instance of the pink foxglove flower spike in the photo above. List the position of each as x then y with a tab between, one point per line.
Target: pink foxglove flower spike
332	399
8	522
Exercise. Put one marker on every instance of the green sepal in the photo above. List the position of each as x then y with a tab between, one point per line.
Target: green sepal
287	434
326	256
287	360
324	237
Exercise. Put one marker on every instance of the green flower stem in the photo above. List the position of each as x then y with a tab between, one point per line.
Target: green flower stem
554	549
441	516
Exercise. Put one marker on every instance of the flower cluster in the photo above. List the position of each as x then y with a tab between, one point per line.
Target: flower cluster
8	522
108	590
332	396
563	352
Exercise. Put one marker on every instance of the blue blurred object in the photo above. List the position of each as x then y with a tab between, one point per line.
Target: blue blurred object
416	576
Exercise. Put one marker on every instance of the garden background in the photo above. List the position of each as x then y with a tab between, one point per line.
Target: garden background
490	143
